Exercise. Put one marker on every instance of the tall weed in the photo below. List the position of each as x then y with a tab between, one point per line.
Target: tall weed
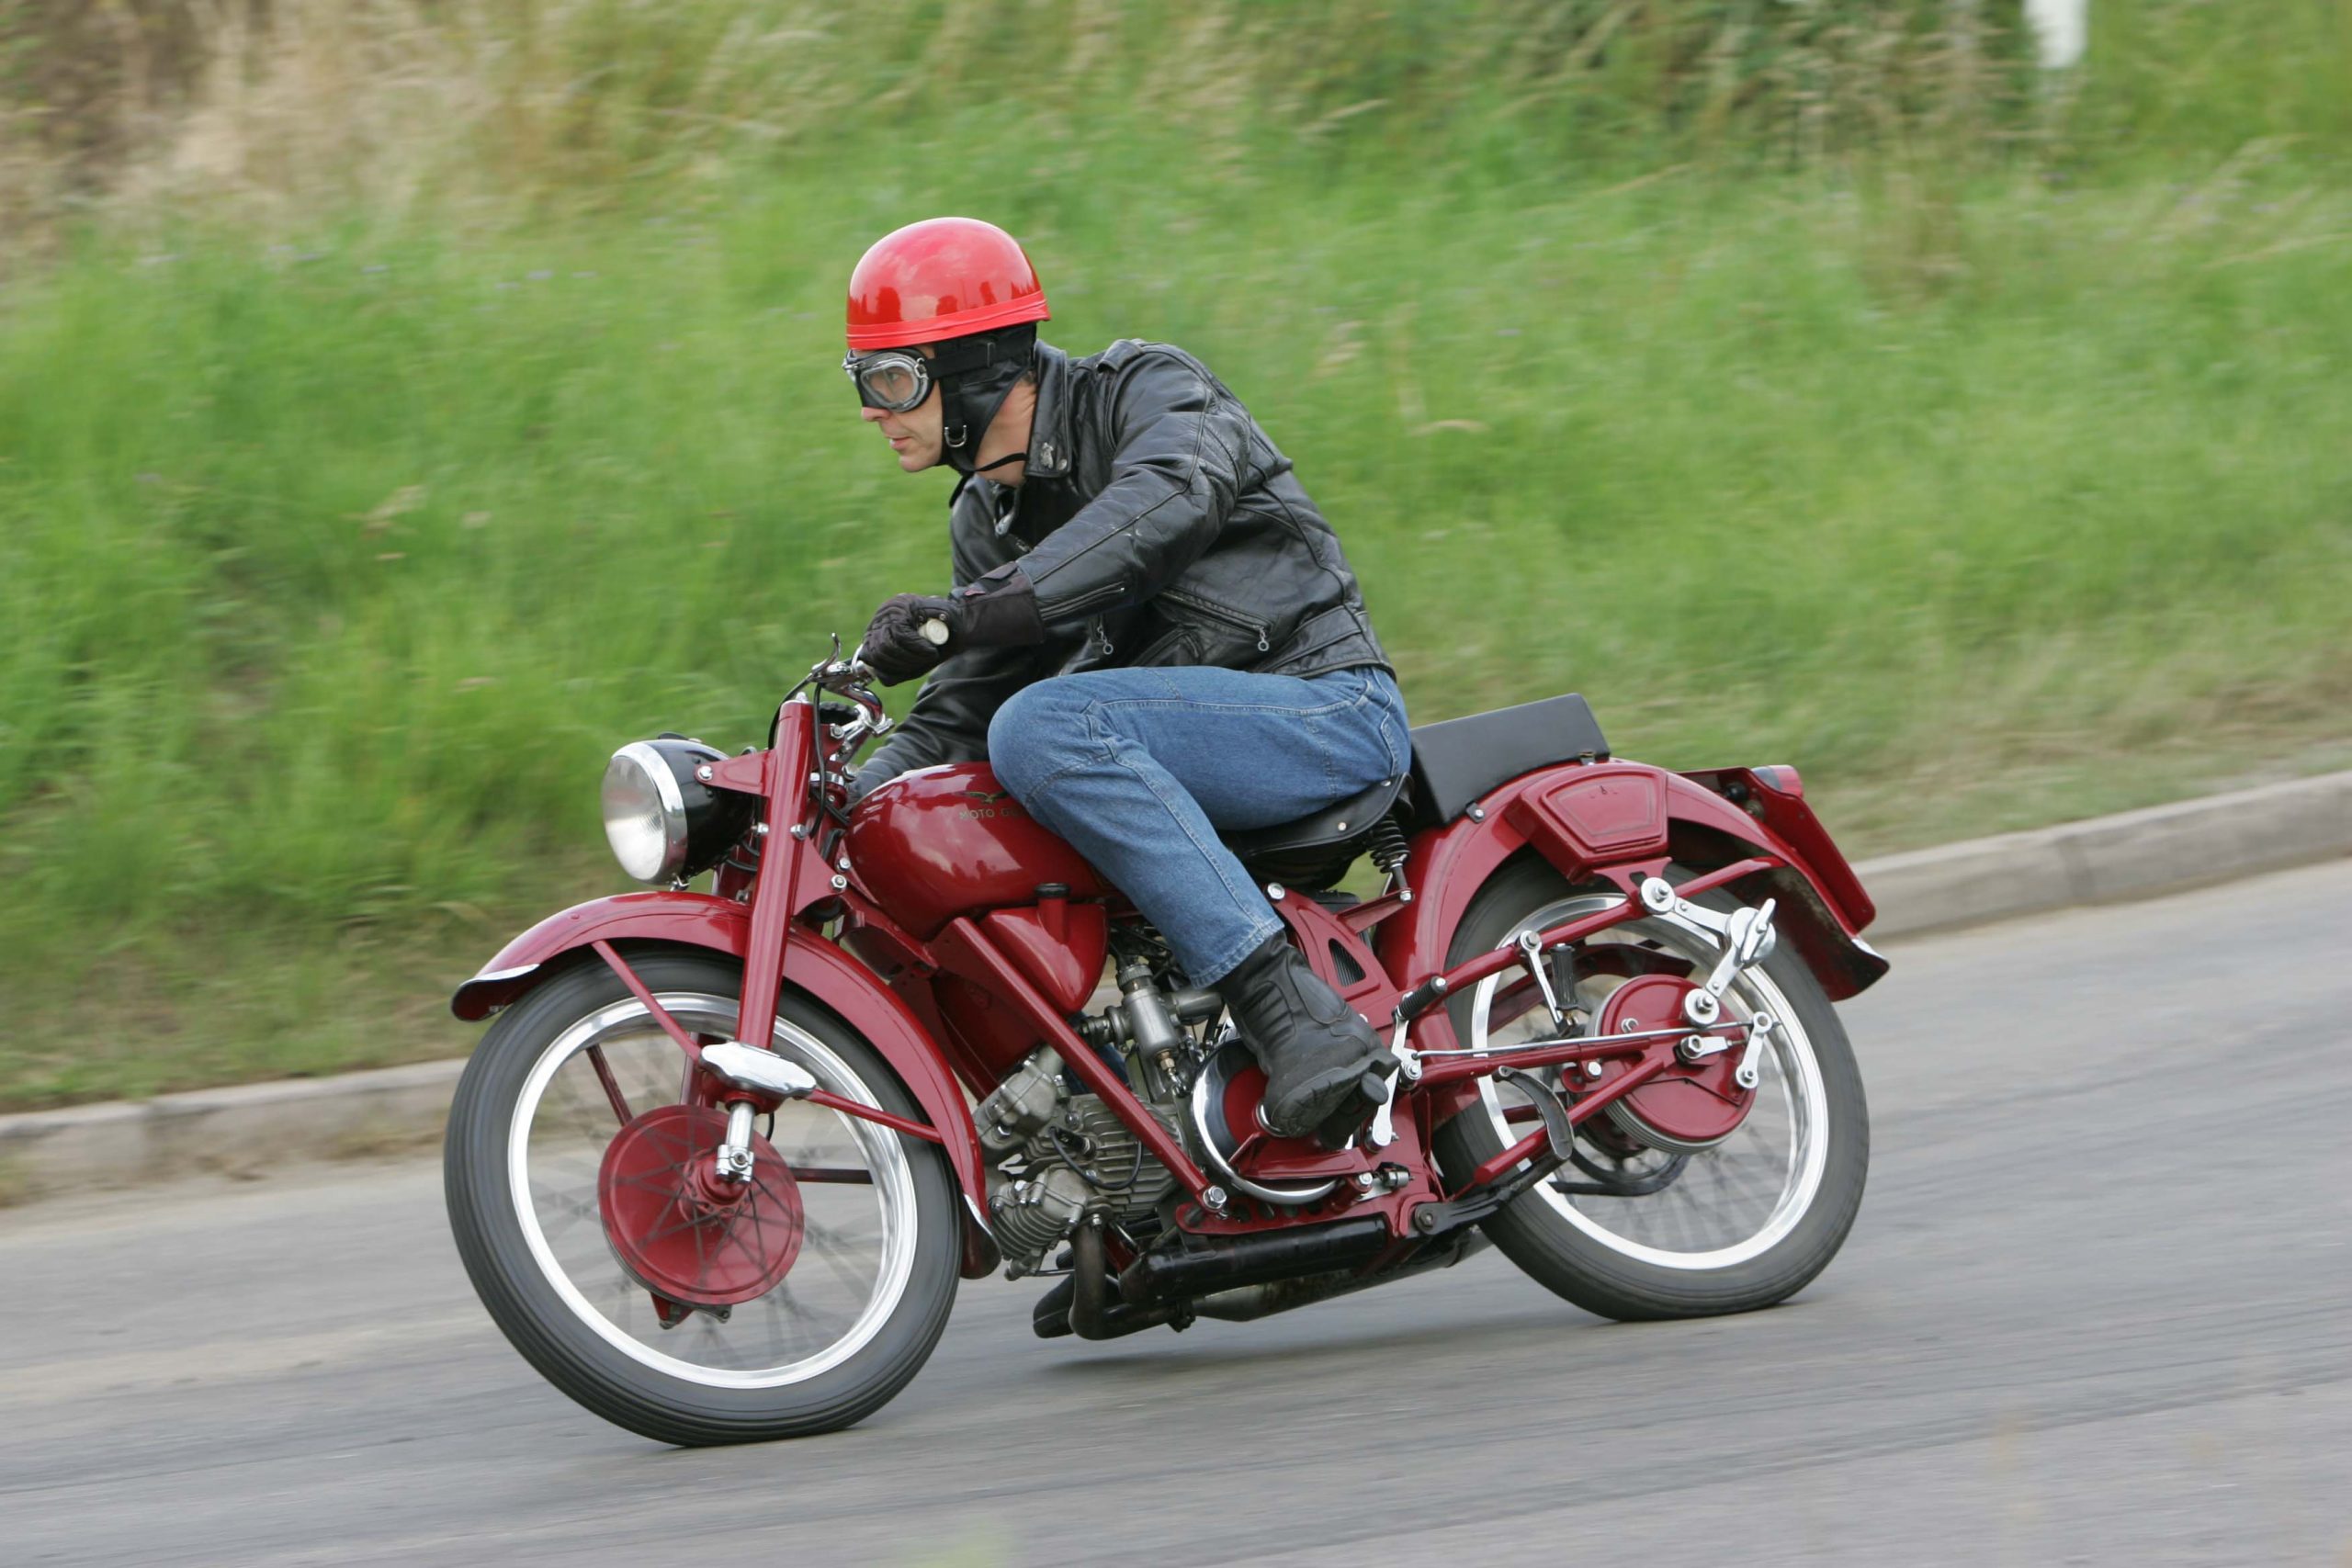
501	109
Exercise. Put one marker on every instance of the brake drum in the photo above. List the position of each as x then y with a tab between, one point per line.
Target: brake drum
1690	1106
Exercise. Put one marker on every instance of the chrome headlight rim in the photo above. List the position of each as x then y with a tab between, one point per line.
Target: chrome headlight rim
648	760
698	823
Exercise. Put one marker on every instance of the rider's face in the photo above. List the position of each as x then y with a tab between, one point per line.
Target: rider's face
915	435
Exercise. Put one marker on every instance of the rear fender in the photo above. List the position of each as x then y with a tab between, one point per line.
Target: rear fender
1581	816
829	977
1826	909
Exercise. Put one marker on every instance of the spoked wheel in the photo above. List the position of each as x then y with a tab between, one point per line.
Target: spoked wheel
579	1185
1687	1199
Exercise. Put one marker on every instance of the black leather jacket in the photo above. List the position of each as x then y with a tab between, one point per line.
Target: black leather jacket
1159	527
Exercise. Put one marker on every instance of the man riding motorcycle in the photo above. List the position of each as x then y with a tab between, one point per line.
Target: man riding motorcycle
1152	632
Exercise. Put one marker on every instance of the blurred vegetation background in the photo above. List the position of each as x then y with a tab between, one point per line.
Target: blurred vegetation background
402	402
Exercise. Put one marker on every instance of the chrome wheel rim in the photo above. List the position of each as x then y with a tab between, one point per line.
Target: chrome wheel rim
1731	1203
858	1250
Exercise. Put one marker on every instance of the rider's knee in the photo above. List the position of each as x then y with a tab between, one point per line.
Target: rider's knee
1031	734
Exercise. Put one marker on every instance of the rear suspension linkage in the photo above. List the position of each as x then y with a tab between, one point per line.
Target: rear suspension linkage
1747	936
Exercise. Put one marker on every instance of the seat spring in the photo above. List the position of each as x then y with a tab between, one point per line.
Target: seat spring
1388	846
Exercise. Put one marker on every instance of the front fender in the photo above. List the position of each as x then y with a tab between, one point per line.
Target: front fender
831	977
690	919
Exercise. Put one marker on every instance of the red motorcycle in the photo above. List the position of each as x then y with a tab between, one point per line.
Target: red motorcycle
717	1168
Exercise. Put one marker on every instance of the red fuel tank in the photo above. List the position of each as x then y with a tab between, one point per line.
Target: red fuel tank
944	841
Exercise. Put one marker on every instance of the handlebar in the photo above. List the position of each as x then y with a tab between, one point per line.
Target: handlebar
854	678
841	674
855	671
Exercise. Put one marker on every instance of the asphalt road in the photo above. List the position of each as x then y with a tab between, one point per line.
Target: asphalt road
2097	1309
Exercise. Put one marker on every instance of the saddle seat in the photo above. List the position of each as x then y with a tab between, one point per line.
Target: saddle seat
1454	762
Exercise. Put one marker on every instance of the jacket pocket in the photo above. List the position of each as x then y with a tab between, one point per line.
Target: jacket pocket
1180	646
1226	623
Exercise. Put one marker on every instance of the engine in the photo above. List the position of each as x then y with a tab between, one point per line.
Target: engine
1057	1154
1084	1156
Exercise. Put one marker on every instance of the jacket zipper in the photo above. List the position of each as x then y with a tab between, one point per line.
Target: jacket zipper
1080	604
1219	613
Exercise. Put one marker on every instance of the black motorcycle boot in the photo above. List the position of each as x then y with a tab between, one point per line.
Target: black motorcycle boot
1325	1070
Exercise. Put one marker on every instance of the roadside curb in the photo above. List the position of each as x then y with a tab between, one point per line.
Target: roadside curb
242	1131
2108	860
237	1132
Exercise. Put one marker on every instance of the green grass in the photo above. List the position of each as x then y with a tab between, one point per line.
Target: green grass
340	540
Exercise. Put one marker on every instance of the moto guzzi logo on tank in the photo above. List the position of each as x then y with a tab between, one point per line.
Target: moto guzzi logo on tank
989	805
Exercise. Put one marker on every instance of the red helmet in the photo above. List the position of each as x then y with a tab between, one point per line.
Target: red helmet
941	278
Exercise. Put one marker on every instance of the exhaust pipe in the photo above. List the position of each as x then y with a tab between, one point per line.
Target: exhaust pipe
1084	1305
1253	1302
1203	1266
1093	1314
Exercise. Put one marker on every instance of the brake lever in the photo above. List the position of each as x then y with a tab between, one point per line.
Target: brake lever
845	675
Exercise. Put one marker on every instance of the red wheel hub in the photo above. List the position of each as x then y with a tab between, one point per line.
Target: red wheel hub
681	1232
1690	1104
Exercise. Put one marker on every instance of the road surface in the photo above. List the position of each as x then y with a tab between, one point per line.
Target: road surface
2097	1309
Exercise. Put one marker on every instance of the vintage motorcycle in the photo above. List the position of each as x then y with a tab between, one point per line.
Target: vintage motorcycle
717	1168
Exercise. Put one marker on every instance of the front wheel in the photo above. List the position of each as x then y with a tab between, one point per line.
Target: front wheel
1648	1226
575	1170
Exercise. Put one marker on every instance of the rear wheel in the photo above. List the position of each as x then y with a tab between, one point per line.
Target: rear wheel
1653	1226
576	1173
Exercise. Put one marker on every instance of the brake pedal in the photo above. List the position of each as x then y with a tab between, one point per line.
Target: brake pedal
1557	1129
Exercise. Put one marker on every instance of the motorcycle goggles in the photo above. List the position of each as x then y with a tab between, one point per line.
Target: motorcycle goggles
892	380
897	379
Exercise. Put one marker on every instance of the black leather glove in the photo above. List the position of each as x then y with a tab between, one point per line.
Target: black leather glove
896	647
999	611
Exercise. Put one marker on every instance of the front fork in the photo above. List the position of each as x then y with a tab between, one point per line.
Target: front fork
792	875
767	1079
766	1074
732	1163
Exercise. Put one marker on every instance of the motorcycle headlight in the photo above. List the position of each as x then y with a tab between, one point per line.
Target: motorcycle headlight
662	822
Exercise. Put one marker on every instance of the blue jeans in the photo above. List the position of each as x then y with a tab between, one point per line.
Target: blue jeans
1138	769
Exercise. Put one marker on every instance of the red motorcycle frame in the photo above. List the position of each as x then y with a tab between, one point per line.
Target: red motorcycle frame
953	993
